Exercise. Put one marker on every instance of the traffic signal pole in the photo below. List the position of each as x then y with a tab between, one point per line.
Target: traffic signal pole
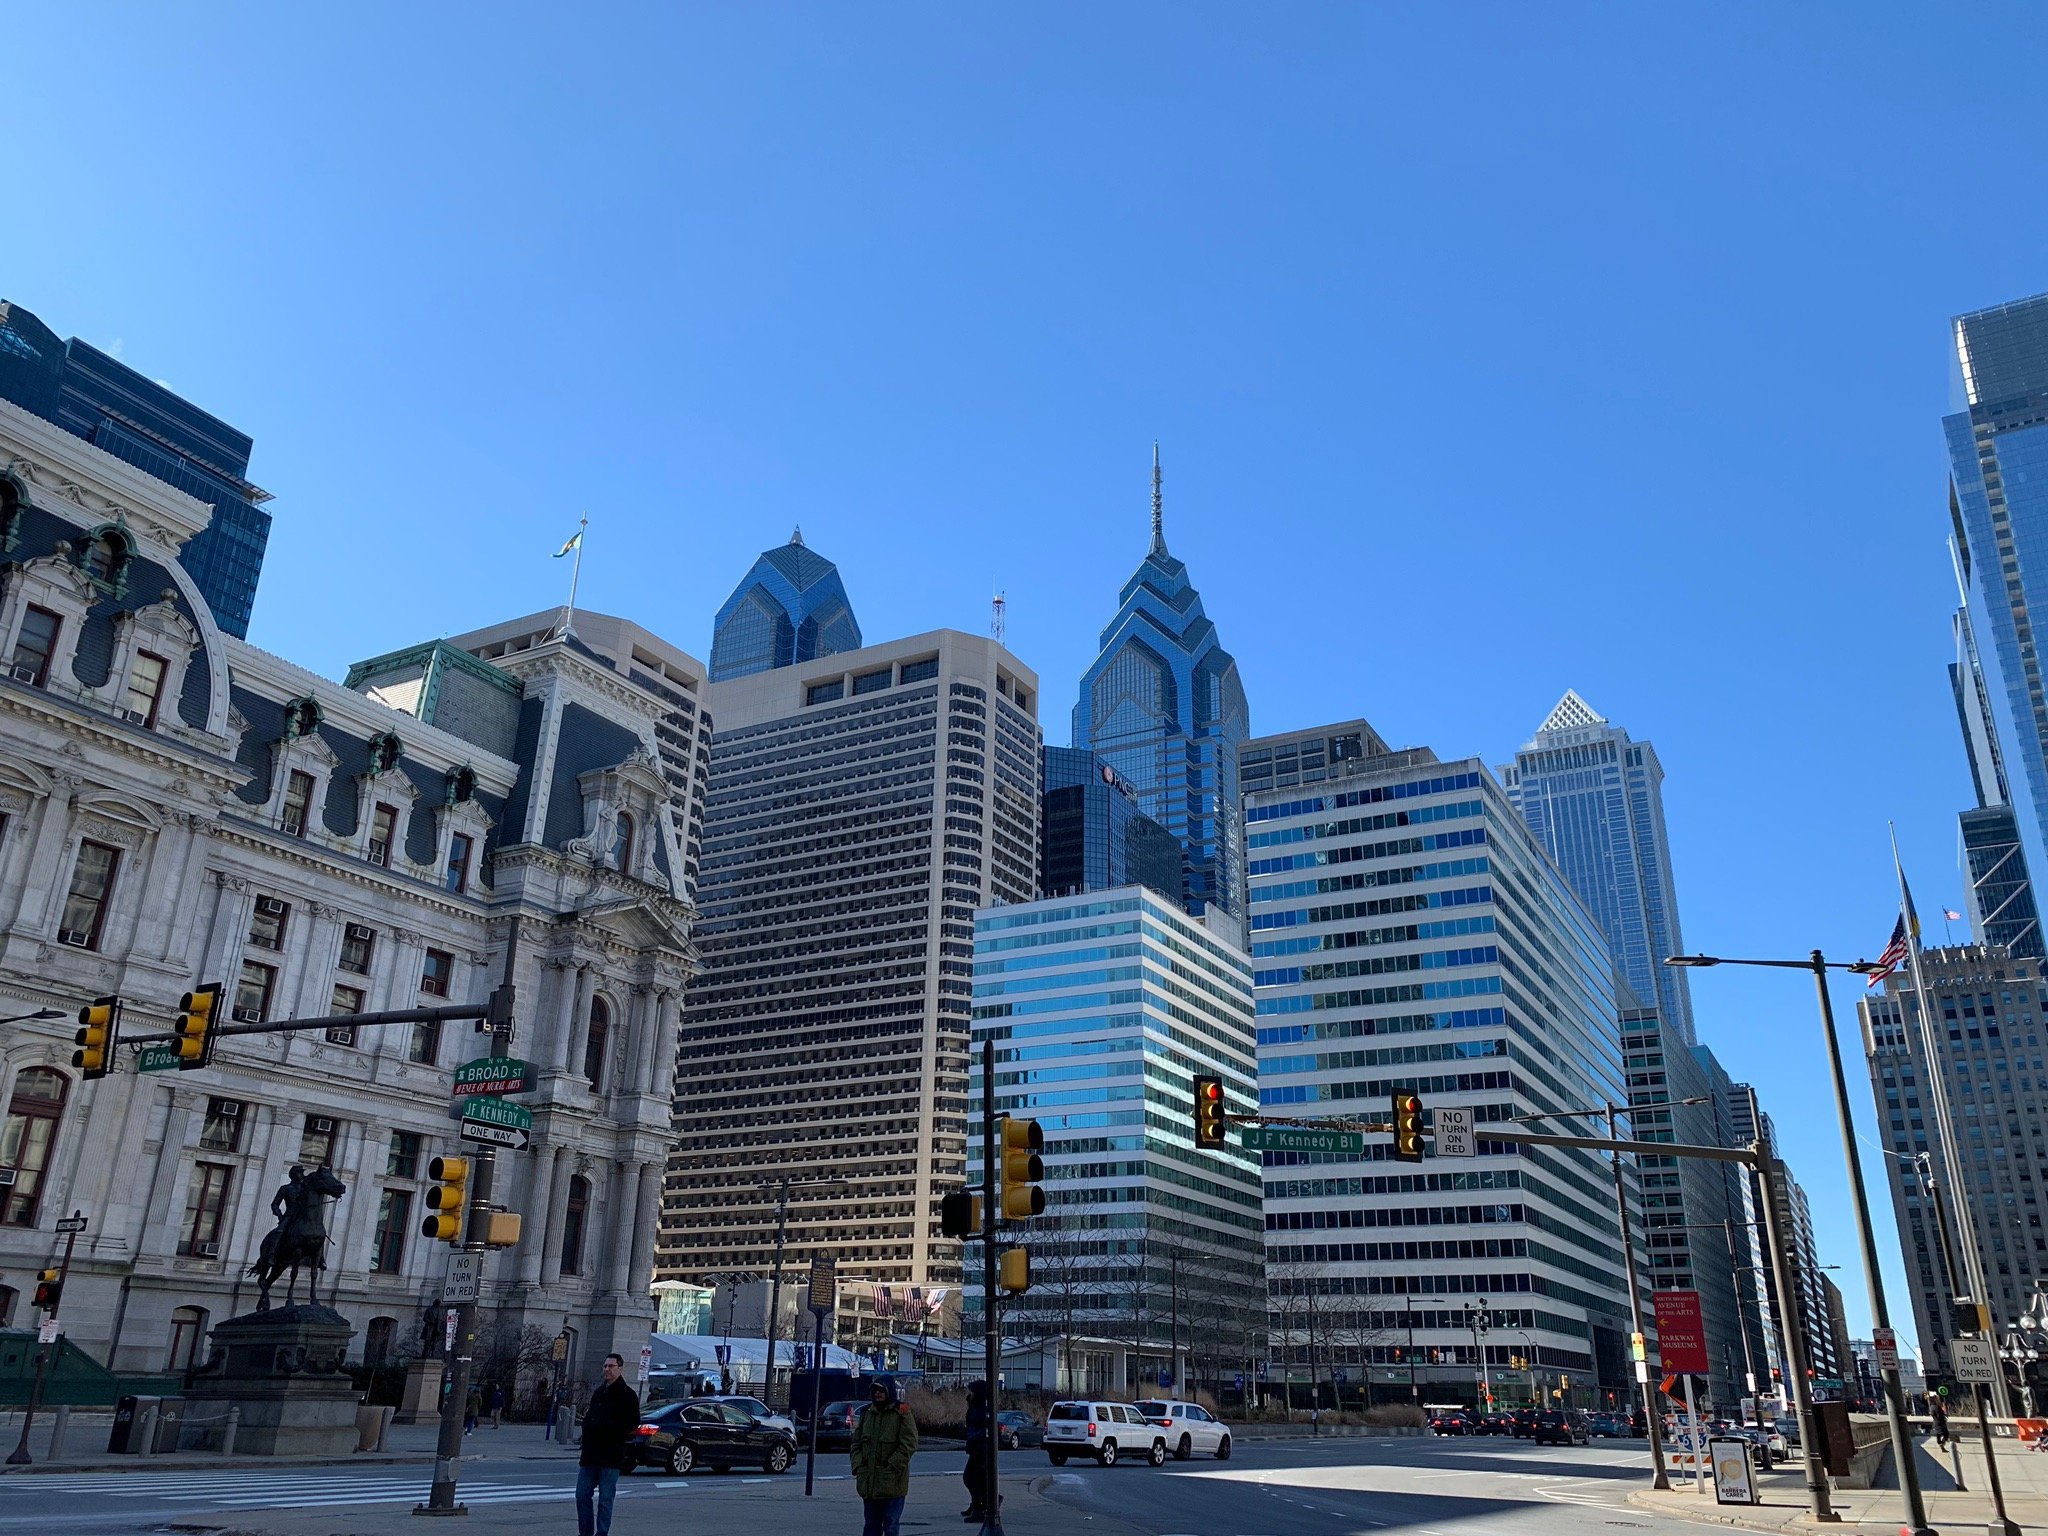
448	1449
20	1457
992	1339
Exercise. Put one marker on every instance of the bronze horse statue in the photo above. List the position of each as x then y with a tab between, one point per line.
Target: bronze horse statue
299	1241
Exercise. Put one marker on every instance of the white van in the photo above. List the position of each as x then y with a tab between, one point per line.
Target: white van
1105	1431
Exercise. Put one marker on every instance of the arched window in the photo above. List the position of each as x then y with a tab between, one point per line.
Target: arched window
106	557
573	1212
379	1340
594	1041
385	751
26	1140
188	1327
301	718
622	844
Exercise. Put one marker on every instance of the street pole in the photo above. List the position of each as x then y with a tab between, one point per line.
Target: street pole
775	1293
1653	1421
20	1457
1894	1398
448	1449
1794	1330
991	1343
2001	1524
1414	1392
1756	1394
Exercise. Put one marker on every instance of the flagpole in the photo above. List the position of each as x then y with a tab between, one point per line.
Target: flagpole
575	576
1935	1082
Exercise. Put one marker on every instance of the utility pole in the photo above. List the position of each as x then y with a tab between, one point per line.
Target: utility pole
992	1339
1653	1421
70	1226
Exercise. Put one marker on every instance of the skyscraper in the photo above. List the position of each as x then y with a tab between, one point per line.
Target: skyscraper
862	806
1092	835
1163	706
136	419
790	608
1595	800
2001	900
1998	510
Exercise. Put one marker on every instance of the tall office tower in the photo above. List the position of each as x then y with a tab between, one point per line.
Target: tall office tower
1998	512
1685	1199
1410	934
134	418
862	807
1595	800
1756	1350
1163	706
1103	1007
791	608
2001	901
1092	836
1795	1221
1992	1007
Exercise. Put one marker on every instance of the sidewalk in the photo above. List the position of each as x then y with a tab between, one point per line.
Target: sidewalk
85	1442
1876	1511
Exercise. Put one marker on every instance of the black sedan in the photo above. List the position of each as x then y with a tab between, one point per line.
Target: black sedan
698	1433
1554	1428
1016	1429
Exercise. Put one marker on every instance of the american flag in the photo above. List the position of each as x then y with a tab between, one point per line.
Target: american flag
1894	953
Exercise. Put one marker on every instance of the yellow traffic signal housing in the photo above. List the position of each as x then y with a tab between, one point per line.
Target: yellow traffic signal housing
1407	1128
960	1214
1013	1271
1972	1317
1022	1141
501	1229
1211	1116
99	1024
446	1199
194	1027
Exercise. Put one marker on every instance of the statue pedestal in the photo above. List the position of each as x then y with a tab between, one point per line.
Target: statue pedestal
422	1397
283	1369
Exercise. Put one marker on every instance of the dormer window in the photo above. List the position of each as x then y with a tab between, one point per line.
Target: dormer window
301	718
461	786
385	752
460	849
106	557
298	802
622	842
35	644
383	833
145	689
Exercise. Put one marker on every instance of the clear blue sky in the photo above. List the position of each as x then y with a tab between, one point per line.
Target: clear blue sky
1493	349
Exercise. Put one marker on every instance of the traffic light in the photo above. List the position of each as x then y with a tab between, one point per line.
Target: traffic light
48	1290
1211	1118
1407	1128
501	1229
446	1199
1972	1317
194	1027
99	1026
1022	1169
960	1214
1013	1271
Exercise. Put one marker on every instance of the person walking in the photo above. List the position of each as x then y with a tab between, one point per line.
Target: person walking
472	1406
608	1425
498	1406
980	1426
884	1440
1940	1424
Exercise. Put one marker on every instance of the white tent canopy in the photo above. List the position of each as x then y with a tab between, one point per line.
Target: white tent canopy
699	1352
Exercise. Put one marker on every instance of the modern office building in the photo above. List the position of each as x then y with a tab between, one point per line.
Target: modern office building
1595	800
1103	1007
1162	705
1306	757
1998	513
862	807
1757	1348
2001	903
1410	934
177	806
1989	1033
791	608
1795	1218
1092	836
139	421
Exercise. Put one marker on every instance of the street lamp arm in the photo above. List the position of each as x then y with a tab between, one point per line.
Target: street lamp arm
1814	963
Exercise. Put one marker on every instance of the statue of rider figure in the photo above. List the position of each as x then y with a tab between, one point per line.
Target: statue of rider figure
290	1196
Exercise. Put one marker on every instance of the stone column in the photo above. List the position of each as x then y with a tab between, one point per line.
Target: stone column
639	1026
661	1064
160	1229
539	1207
231	911
36	913
647	1218
569	1024
168	855
558	1210
622	1220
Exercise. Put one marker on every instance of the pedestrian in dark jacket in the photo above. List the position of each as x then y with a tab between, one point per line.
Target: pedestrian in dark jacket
980	1426
884	1440
608	1425
1940	1424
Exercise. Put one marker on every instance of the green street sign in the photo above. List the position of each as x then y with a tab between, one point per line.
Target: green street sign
157	1058
497	1112
1288	1138
493	1074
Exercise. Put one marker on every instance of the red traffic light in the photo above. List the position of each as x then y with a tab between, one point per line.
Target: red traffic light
1211	1089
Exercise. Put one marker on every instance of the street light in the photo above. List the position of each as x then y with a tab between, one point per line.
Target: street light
1414	1392
40	1013
1880	1317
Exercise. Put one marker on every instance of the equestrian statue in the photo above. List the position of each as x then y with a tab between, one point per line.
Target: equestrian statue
299	1240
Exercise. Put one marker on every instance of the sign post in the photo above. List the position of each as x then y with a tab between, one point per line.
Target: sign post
1975	1364
47	1335
824	1301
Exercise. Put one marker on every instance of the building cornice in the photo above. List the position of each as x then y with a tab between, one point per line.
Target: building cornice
101	486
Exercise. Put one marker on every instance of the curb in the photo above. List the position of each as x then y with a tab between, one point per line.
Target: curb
169	1463
1719	1514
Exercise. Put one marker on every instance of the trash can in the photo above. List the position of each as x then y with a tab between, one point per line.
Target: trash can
123	1442
170	1425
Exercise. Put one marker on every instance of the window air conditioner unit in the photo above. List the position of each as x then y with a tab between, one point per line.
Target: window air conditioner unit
206	1250
74	937
360	931
295	824
22	674
319	1125
227	1109
135	716
6	1178
247	1015
270	905
380	851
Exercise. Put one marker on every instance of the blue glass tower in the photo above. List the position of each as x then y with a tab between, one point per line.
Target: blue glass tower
1163	706
113	407
791	607
1595	800
1093	837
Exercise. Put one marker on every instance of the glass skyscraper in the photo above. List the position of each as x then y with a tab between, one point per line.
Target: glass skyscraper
1093	836
1163	706
1595	800
791	608
129	415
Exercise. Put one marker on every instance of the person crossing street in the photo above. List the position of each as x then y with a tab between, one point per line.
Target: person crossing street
608	1425
884	1440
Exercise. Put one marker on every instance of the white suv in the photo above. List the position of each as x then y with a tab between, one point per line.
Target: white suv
1188	1427
1105	1431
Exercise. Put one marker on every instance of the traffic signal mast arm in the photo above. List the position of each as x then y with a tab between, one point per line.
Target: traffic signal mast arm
331	1021
1744	1155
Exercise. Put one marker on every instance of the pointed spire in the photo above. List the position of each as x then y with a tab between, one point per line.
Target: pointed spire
797	536
1158	507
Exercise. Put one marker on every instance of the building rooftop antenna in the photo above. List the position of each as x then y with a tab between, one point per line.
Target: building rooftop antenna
996	610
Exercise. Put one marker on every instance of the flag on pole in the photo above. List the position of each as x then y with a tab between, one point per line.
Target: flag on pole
575	543
1894	952
1952	914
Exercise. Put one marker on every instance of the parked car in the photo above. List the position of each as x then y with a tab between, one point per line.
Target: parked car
1524	1422
755	1408
702	1431
1554	1427
1459	1423
1608	1426
1016	1429
1789	1428
835	1425
1189	1428
1497	1424
1108	1432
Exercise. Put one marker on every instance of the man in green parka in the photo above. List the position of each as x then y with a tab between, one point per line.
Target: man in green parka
884	1440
